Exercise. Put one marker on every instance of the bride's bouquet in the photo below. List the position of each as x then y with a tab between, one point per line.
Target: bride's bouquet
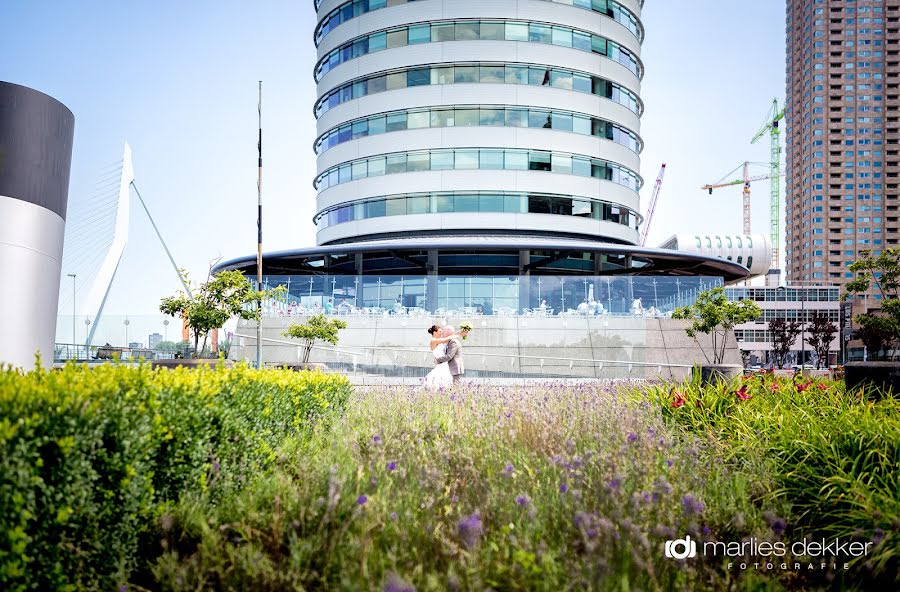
464	328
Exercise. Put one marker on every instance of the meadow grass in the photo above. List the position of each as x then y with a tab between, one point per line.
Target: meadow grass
507	488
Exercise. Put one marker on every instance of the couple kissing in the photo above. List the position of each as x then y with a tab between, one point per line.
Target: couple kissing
446	346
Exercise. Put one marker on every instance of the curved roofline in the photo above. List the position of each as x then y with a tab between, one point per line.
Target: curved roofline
663	261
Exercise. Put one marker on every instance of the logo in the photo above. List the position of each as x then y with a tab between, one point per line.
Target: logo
681	548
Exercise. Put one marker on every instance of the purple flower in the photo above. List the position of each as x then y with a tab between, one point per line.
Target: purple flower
563	488
670	462
632	437
706	531
376	439
523	500
614	484
470	530
392	466
394	516
215	466
361	500
691	505
395	583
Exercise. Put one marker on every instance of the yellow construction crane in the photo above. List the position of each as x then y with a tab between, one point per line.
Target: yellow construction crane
745	180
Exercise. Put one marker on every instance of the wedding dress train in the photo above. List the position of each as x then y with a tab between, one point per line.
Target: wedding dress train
440	377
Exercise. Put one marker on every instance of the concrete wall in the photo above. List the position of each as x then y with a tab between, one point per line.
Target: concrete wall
509	346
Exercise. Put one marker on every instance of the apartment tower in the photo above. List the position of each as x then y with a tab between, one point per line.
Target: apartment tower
843	94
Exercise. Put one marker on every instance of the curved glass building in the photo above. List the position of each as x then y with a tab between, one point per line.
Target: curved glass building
509	117
470	151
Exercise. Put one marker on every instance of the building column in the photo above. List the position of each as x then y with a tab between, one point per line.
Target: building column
524	280
431	285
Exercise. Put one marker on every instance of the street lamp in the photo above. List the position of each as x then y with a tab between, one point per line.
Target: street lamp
127	322
72	275
166	329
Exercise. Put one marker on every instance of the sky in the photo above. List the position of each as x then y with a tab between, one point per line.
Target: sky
178	81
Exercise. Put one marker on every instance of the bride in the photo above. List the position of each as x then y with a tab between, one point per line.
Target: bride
440	377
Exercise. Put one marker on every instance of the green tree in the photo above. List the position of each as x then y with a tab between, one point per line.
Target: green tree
820	333
881	272
226	295
784	335
875	336
316	328
713	314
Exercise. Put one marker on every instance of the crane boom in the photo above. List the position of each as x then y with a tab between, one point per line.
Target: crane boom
651	208
745	180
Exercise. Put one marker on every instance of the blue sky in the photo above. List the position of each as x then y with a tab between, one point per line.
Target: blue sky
178	81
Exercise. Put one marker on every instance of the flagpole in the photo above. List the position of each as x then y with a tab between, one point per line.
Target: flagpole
259	236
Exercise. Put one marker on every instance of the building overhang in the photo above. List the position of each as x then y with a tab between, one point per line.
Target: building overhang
488	256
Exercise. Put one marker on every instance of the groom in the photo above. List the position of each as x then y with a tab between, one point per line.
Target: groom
453	354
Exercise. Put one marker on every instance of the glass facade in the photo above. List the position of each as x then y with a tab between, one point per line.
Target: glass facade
450	202
478	115
478	159
485	295
436	31
355	8
477	73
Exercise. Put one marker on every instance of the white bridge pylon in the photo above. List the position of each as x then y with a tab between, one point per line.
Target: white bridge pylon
96	299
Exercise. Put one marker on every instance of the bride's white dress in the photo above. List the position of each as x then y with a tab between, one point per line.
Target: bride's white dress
440	377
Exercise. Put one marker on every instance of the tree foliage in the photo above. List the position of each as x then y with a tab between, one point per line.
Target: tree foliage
209	306
876	335
316	328
882	273
820	334
784	335
713	314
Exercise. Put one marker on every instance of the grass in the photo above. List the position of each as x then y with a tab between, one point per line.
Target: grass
544	488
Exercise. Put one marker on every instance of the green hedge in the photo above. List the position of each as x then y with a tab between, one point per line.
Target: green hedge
88	457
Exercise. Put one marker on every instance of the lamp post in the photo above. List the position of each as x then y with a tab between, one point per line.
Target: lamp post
72	275
166	329
127	322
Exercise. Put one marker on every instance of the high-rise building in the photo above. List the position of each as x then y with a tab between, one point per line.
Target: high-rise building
842	117
153	340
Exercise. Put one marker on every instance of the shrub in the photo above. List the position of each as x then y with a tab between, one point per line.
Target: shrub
89	456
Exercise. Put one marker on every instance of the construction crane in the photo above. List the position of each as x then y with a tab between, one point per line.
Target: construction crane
651	208
745	180
770	127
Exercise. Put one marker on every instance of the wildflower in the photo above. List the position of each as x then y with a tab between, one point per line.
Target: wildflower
508	471
670	462
395	583
632	437
392	466
394	516
376	439
742	393
563	488
361	500
691	505
678	401
470	530
614	484
803	386
523	500
775	387
823	386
